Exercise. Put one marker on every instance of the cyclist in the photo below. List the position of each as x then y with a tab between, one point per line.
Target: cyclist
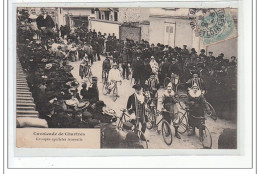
196	101
153	84
169	101
174	72
84	65
114	76
106	66
136	106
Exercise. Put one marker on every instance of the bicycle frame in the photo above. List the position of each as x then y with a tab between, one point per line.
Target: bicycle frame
105	75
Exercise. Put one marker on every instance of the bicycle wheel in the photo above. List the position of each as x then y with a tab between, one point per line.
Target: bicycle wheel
166	132
142	139
103	77
167	80
105	89
151	121
205	138
115	94
212	112
183	125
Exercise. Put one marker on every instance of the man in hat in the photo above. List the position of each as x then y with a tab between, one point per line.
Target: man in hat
169	101
185	51
193	54
233	61
174	70
220	57
145	71
136	105
124	58
137	63
106	66
211	57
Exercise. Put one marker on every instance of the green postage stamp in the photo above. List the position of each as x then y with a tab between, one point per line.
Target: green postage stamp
215	25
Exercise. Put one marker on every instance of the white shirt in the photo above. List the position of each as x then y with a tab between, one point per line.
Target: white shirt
114	74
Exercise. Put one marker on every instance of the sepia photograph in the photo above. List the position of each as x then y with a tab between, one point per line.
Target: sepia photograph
126	77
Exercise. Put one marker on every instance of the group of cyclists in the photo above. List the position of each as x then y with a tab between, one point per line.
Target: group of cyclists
177	70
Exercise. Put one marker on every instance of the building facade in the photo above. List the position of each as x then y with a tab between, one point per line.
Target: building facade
74	17
171	26
125	23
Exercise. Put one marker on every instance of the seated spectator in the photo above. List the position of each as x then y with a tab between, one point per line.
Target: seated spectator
84	92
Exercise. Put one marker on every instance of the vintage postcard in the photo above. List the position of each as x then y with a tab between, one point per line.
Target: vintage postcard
126	78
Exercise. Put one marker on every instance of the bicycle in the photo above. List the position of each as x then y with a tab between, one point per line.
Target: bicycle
166	130
86	72
104	76
126	124
205	136
106	89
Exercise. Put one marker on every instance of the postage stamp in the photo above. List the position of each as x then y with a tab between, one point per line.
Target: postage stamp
215	25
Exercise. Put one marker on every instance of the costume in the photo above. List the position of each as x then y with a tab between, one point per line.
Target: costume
169	103
136	104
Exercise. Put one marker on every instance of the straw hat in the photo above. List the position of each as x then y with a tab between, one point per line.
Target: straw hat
48	66
81	106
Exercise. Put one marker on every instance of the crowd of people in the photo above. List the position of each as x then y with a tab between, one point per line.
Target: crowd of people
55	90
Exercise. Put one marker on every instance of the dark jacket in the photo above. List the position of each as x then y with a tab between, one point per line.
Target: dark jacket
84	93
47	22
106	64
93	93
124	58
131	103
174	68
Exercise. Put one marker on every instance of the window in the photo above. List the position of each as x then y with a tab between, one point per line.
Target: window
99	15
167	29
171	29
102	17
115	16
106	15
92	11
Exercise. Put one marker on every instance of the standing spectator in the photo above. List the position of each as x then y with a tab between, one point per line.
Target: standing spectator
125	64
136	66
146	71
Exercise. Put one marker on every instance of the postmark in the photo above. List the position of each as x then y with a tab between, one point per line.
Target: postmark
212	25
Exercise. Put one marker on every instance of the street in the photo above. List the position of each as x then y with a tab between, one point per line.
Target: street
155	140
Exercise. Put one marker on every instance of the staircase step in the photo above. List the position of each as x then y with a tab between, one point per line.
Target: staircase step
23	95
25	104
22	87
25	108
29	112
23	99
24	82
23	92
27	115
